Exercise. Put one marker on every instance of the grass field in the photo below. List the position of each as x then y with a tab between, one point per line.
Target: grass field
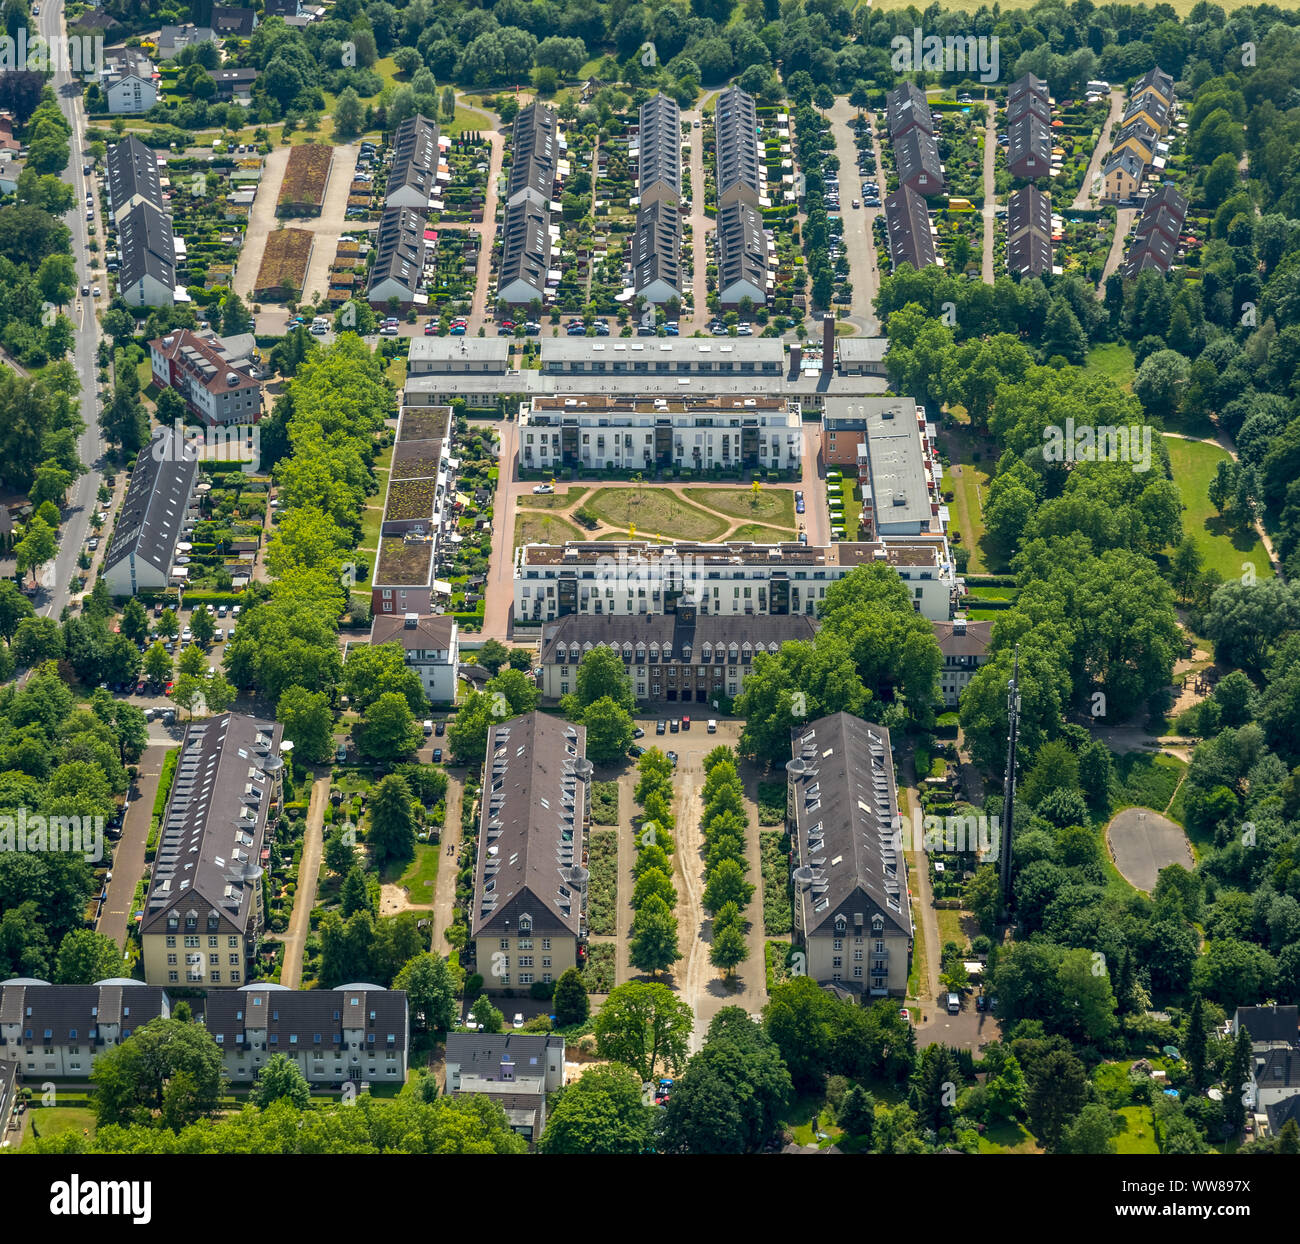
1139	1134
49	1121
1193	464
553	501
760	535
1007	1138
1114	359
773	506
421	873
969	482
956	926
655	511
542	528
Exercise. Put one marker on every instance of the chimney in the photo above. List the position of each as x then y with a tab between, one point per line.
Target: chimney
796	359
828	344
410	621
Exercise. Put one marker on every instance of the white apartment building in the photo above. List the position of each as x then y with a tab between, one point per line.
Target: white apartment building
635	433
623	577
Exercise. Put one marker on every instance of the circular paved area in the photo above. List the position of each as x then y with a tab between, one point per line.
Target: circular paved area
1142	842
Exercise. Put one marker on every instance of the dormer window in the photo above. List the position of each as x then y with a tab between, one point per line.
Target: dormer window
525	924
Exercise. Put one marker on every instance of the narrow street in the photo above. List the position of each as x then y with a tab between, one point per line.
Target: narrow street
1124	218
918	876
1085	197
990	193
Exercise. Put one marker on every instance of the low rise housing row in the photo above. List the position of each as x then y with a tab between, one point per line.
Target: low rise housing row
908	228
1137	143
1029	134
524	273
1029	249
912	131
1155	241
358	1033
417	516
138	208
402	243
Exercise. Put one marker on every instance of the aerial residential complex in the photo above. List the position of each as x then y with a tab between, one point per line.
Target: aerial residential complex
852	914
217	377
527	913
1156	239
593	432
1029	134
203	915
1136	147
912	135
1029	232
908	227
744	249
634	577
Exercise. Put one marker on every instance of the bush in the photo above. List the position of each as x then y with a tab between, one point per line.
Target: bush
541	991
771	803
604	803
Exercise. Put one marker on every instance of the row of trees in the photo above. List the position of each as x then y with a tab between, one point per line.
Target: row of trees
725	826
652	939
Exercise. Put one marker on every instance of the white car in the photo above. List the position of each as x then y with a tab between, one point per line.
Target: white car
519	1019
96	292
543	488
186	636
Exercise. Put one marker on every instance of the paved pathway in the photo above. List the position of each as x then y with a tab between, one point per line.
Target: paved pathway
1085	197
304	899
128	855
1124	218
700	225
918	875
990	194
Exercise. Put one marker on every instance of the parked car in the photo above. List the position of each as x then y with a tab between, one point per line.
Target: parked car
543	488
638	733
439	728
953	1003
85	291
713	726
518	1021
428	727
437	755
672	756
661	727
686	723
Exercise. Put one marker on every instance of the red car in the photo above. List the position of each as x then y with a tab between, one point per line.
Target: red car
510	324
686	723
168	689
429	329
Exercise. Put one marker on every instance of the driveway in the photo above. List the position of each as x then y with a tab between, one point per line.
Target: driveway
1085	196
128	855
990	196
444	893
498	606
1124	218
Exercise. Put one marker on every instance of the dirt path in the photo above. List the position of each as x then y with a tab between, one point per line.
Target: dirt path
304	899
696	976
918	871
262	222
444	893
1124	218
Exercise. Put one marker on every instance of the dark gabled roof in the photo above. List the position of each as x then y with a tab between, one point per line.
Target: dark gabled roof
1277	1067
478	1053
1029	254
736	142
660	139
132	169
657	246
683	637
1152	105
1029	105
906	107
1128	160
1028	85
240	22
742	246
916	154
316	1017
211	836
525	246
1029	208
147	247
1267	1024
846	806
530	828
534	154
63	1014
1166	199
1155	241
400	249
1154	79
415	157
1140	130
157	495
1029	147
908	225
